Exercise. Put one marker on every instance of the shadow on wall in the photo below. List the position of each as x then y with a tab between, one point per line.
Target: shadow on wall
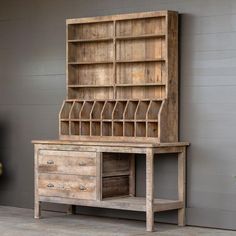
5	177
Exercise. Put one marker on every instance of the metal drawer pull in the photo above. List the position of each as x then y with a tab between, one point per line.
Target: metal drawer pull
82	164
50	185
50	162
81	187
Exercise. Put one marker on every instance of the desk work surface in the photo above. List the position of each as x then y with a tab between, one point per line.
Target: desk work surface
110	143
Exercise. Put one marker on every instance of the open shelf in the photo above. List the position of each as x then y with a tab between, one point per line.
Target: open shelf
141	60
140	85
89	40
139	203
88	93
90	31
89	86
144	36
122	203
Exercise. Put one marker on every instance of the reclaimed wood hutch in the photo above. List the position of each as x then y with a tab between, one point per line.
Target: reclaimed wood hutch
122	100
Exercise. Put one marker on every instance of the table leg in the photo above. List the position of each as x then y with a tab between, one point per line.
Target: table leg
37	209
182	185
71	209
149	190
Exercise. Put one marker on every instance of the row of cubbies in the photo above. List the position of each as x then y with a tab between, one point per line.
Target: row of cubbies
129	118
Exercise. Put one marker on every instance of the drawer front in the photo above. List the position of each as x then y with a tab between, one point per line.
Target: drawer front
69	186
64	162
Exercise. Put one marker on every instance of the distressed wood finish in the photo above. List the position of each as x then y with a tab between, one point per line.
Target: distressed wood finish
122	78
122	100
59	162
71	186
113	185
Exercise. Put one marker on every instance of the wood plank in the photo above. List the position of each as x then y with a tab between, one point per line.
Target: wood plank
122	203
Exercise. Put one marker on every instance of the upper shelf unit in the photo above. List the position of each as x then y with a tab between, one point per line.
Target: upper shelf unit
124	57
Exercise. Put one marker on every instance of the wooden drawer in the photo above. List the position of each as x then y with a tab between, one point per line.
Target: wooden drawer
69	186
64	162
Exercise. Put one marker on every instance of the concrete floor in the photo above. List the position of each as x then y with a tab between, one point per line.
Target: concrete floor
20	222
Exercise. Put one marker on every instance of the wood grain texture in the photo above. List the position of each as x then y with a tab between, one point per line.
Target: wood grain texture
71	186
114	57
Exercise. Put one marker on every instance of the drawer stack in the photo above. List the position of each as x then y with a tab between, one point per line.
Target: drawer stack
67	174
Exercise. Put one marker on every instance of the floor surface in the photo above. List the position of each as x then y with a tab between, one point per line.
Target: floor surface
20	222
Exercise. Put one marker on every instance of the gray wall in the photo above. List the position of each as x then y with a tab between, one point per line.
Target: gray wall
32	87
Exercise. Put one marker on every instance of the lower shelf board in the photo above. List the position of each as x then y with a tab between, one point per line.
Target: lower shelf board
122	203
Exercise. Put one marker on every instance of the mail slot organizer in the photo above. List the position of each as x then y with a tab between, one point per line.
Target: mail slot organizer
116	118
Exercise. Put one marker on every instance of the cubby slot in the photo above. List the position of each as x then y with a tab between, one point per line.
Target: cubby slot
85	128
75	128
154	110
142	110
117	128
96	128
65	111
97	110
90	75
88	93
129	129
118	113
90	52
64	127
89	31
75	113
108	109
86	109
106	128
152	129
140	129
143	26
130	110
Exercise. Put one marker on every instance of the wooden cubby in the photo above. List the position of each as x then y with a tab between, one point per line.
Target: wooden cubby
122	78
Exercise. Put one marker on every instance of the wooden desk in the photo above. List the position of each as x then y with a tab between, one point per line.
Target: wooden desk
71	172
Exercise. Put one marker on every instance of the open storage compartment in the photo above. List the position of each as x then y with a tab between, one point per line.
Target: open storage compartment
117	174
